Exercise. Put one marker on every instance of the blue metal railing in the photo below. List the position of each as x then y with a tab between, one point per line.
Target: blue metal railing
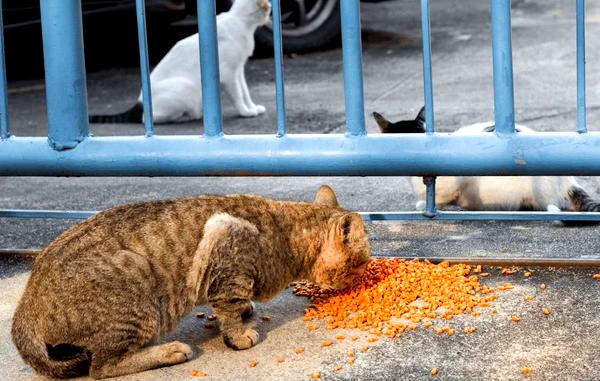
72	152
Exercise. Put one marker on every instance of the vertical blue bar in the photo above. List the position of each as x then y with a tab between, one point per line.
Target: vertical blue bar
140	6
430	209
427	77
4	129
278	53
504	104
209	68
352	56
581	122
66	92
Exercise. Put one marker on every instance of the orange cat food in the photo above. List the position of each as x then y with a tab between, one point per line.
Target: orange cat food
265	318
280	359
434	371
526	371
326	343
596	276
315	375
397	294
252	363
198	373
298	350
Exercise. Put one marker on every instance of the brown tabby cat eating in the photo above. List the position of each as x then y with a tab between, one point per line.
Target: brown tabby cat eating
103	293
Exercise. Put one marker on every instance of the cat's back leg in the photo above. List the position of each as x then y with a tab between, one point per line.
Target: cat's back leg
230	243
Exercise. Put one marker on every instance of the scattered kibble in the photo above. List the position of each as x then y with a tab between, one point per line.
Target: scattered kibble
434	371
484	274
372	339
350	361
506	271
527	274
326	343
340	337
396	294
543	286
354	337
596	276
350	353
312	327
477	269
364	348
211	318
546	311
515	318
298	350
200	315
494	311
198	373
470	329
526	371
438	330
265	318
528	298
338	368
280	359
252	363
427	324
315	375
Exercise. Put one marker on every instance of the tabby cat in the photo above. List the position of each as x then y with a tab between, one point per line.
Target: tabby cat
508	193
103	292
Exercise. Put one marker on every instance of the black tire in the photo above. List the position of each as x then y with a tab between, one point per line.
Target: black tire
321	30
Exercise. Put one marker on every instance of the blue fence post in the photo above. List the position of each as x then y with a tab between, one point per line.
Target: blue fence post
209	69
140	6
352	56
581	122
278	55
504	104
66	93
4	128
427	77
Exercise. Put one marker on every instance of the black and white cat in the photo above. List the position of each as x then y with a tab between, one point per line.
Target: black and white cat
503	193
175	81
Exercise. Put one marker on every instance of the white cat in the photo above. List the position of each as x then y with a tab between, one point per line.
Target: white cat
502	193
175	81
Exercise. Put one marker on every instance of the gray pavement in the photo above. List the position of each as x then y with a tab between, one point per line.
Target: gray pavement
562	346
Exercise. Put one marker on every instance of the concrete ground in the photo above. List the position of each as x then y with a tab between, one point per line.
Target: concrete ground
563	345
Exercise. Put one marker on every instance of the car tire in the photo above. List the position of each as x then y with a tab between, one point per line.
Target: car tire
321	30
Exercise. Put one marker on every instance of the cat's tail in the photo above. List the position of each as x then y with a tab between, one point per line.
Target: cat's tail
57	361
133	115
581	201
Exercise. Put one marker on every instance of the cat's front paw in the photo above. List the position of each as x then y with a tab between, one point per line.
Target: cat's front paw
260	109
176	352
244	341
248	113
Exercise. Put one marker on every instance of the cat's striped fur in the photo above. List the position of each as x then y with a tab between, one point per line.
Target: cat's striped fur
105	290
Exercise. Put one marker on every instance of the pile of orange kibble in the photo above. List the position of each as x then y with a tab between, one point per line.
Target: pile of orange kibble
397	294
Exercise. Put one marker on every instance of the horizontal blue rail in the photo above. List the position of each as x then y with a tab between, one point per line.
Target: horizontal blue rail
560	153
367	216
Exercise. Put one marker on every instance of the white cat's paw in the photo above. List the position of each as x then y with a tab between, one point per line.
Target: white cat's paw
260	109
420	206
248	113
553	208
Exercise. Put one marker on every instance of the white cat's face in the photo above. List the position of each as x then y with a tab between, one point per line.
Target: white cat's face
264	7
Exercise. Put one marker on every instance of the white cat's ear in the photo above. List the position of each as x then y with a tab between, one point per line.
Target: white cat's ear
326	196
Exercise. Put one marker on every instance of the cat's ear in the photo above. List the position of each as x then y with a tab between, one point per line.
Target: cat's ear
383	123
349	228
326	196
420	119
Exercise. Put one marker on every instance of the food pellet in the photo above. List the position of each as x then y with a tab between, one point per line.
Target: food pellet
396	294
280	359
315	375
526	371
470	329
298	350
528	298
546	311
364	348
354	337
252	363
198	373
543	286
265	318
596	276
312	327
372	339
326	343
340	337
350	354
515	318
527	274
506	271
350	361
337	368
434	371
494	310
